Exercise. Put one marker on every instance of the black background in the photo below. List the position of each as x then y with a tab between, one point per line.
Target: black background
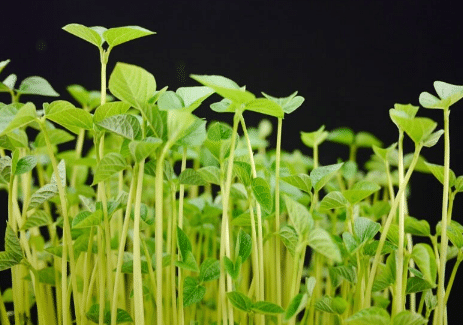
351	60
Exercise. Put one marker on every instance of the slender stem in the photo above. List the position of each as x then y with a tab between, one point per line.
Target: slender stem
277	217
452	277
3	315
444	238
181	315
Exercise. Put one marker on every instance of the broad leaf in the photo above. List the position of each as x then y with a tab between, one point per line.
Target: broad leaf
418	128
110	109
86	33
366	140
301	181
290	238
365	229
86	219
125	125
85	98
193	96
111	164
118	35
191	177
320	241
312	139
333	200
449	94
369	316
13	253
57	136
321	176
359	191
68	116
342	135
36	86
417	227
210	174
141	150
300	216
288	104
122	315
336	305
416	284
424	257
438	172
178	124
25	164
261	190
407	317
209	270
193	292
296	305
265	106
38	219
240	301
25	115
43	194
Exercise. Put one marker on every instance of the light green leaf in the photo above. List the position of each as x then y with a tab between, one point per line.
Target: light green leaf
225	88
218	140
265	106
210	174
320	241
360	190
25	164
3	64
418	128
321	176
125	125
85	33
296	305
14	139
438	172
8	83
408	109
432	139
184	243
57	136
193	96
369	316
209	270
111	164
301	181
343	135
119	35
87	219
90	99
268	308
366	140
178	124
290	238
407	317
455	236
25	115
333	200
188	262
42	194
68	116
13	253
449	94
416	284
94	312
170	100
336	305
244	243
365	229
193	292
141	150
300	216
110	109
36	86
312	139
38	219
384	153
191	177
288	104
348	272
417	227
240	301
261	190
132	84
231	268
243	171
195	135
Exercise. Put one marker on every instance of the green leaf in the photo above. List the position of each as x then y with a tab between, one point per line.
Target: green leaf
36	86
243	171
336	305
86	33
125	125
321	176
184	243
193	292
141	150
312	139
342	135
47	275
111	164
85	98
333	200
57	136
366	140
25	164
288	104
121	317
300	216
218	140
424	258
3	64
407	317
87	219
119	35
13	253
418	128
231	268
301	181
194	135
368	316
240	301
296	305
42	195
210	174
320	241
244	243
209	270
5	169
360	191
408	109
170	100
348	272
261	190
417	227
25	115
438	172
68	116
455	236
132	84
416	284
193	96
268	308
110	109
384	153
188	260
290	238
38	219
225	87
433	138
449	94
365	229
191	177
265	106
14	139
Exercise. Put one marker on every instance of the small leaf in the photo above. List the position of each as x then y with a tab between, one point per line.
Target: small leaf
321	176
141	150
418	128
191	177
111	164
365	229
194	96
36	86
240	301
218	140
3	64
43	194
407	317
432	139
193	292
268	308
244	245
366	140
320	241
25	164
438	172
424	258
301	181
417	227
243	171
265	106
121	316
125	125
288	104
261	190
312	139
85	98
296	305
119	35
13	253
348	272
360	191
25	115
38	219
343	135
68	116
209	270
368	316
57	136
170	100
290	238
132	84
210	174
416	284
230	268
333	200
336	305
110	109
86	33
87	219
299	215
384	153
455	236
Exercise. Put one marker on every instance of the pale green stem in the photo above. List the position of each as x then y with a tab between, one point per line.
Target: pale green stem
181	315
101	276
3	314
386	226
444	238
452	276
277	217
